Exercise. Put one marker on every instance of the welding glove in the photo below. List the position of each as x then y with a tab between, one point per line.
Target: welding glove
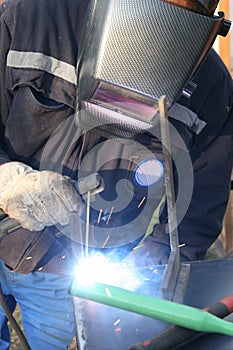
154	250
37	198
148	254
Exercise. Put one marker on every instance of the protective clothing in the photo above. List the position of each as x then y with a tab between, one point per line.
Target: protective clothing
38	100
52	309
38	80
37	198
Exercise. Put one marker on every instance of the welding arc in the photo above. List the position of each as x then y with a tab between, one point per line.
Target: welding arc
175	336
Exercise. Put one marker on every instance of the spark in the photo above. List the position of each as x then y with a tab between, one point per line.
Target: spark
117	322
182	245
142	201
109	216
118	329
99	216
106	241
138	246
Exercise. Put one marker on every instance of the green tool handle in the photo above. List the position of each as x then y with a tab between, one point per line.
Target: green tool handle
165	310
176	336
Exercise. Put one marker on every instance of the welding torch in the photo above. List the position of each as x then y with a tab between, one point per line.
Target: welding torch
92	184
176	336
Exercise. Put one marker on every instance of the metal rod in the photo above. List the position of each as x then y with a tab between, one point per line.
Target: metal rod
172	269
87	222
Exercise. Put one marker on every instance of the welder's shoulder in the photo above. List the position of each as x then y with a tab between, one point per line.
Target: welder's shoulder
215	65
5	5
41	8
213	95
212	100
213	76
10	7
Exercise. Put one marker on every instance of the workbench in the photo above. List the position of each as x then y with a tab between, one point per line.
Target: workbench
109	328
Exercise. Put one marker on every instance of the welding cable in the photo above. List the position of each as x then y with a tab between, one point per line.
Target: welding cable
13	322
176	336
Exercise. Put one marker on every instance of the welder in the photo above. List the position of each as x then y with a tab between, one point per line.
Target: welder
46	148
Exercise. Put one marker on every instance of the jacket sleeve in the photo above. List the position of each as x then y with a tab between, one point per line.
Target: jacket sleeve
212	158
37	67
5	96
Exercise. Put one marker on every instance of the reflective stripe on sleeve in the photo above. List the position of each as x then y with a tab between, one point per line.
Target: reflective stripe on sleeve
38	60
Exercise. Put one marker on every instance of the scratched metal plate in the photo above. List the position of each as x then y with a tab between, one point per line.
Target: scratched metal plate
108	328
102	327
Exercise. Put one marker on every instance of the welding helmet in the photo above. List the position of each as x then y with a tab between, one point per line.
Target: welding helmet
135	51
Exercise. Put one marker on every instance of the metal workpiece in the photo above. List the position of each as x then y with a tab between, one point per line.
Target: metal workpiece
165	310
208	283
172	268
176	336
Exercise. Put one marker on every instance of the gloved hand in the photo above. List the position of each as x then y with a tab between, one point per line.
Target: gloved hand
154	250
37	198
148	255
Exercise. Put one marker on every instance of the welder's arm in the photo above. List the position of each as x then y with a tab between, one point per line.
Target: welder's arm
5	95
202	223
212	157
37	198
